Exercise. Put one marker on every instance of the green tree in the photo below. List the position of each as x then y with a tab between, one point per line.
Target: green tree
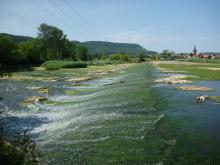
124	57
103	57
69	50
53	40
31	51
153	57
115	57
8	52
167	55
140	57
81	53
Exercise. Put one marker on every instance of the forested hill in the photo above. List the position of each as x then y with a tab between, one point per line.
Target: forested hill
17	39
108	48
98	47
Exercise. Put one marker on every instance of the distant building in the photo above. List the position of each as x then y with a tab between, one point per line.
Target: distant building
194	51
196	54
182	56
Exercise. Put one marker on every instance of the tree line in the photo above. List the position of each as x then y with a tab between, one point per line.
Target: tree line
50	44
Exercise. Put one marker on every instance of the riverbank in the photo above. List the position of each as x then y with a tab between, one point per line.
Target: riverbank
203	71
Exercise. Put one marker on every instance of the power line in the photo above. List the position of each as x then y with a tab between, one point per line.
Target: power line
82	18
51	14
65	14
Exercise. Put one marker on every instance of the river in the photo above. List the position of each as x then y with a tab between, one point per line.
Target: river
119	118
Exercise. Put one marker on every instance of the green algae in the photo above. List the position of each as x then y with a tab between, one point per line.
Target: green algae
71	92
215	99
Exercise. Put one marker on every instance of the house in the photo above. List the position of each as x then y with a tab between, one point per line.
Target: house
199	55
181	56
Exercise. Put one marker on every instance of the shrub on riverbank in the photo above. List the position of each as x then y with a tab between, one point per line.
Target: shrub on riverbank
57	64
202	60
18	151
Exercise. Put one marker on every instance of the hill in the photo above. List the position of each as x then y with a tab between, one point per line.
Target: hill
97	47
108	48
17	39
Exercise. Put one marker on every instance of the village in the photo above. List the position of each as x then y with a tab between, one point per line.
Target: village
208	55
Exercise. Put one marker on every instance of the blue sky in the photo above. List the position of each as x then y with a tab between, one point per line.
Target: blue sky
155	24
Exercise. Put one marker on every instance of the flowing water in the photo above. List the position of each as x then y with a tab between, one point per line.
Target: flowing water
120	118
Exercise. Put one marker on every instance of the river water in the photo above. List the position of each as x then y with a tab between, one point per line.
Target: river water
120	118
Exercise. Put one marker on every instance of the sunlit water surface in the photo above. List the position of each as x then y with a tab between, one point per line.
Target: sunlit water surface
121	118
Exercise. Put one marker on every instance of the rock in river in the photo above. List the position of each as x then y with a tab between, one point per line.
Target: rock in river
32	99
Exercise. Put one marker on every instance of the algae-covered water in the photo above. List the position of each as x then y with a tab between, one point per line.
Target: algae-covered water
119	118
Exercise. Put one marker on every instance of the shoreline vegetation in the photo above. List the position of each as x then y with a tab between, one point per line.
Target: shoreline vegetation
18	150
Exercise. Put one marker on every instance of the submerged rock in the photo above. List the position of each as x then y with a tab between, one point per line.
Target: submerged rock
41	90
32	99
71	92
177	79
194	88
79	79
24	78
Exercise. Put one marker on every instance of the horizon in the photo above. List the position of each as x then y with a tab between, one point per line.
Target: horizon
150	25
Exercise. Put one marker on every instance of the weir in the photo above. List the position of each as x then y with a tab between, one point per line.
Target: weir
109	122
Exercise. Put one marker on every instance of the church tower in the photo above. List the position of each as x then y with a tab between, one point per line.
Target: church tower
194	50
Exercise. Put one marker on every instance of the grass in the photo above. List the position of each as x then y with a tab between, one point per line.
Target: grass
57	64
204	71
215	98
201	60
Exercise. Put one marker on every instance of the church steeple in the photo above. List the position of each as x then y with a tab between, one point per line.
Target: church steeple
194	50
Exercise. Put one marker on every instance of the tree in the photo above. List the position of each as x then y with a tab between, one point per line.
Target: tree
103	56
31	52
167	55
140	57
69	50
153	57
81	53
8	52
53	40
115	57
124	57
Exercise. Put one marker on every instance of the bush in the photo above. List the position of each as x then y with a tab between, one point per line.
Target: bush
202	60
121	57
153	57
19	150
57	64
115	57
